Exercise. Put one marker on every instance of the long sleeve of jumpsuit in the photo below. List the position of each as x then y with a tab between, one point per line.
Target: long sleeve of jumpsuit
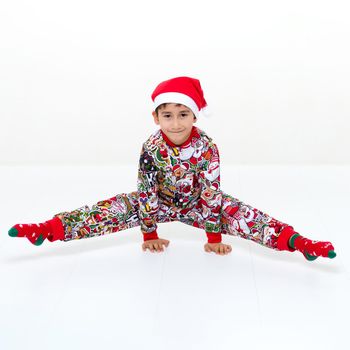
147	194
211	195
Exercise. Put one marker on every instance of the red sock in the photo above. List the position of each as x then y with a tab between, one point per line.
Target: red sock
312	248
291	240
36	233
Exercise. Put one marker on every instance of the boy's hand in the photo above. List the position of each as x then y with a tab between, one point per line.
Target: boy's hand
218	248
155	245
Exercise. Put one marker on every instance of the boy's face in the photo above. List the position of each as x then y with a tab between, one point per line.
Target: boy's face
176	121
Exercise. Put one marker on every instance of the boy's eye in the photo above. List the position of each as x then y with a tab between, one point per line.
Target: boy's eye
168	115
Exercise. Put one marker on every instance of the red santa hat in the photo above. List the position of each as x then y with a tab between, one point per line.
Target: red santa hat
184	90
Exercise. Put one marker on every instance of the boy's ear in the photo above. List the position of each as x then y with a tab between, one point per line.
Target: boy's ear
155	117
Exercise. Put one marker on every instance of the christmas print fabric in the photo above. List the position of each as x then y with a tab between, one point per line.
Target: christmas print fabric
175	183
183	179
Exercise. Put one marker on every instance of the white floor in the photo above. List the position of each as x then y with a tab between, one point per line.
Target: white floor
107	293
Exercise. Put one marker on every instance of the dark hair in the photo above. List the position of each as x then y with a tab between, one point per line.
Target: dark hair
163	105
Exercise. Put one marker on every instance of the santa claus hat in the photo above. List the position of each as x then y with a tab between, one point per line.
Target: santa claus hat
184	90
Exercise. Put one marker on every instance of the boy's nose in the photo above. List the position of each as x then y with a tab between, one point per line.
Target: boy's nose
176	124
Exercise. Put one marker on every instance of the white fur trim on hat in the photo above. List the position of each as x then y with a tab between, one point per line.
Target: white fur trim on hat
176	97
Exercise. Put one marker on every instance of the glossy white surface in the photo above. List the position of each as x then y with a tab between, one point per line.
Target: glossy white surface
107	293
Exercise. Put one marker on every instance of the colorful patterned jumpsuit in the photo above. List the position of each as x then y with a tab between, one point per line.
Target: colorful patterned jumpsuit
176	183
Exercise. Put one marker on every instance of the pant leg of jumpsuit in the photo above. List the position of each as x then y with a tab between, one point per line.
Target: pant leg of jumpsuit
106	216
121	212
243	220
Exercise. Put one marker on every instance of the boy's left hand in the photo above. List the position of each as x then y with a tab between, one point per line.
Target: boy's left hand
218	248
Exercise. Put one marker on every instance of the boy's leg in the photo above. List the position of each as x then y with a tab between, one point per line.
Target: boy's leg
111	215
114	214
243	220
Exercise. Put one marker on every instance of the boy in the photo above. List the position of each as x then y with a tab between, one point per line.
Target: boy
178	180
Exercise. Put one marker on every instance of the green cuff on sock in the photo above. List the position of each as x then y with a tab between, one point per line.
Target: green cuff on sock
292	240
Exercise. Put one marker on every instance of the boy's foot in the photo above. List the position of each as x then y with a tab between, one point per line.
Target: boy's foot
37	233
311	249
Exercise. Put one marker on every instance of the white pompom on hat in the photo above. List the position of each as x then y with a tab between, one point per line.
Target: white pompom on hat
183	90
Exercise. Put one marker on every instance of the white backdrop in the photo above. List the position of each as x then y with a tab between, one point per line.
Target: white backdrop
76	77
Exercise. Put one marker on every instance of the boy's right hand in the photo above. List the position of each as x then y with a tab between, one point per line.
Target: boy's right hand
155	245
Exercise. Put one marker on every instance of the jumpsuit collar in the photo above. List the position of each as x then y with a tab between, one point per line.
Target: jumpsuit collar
194	132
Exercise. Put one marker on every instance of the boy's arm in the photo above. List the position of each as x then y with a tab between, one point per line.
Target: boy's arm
147	195
211	196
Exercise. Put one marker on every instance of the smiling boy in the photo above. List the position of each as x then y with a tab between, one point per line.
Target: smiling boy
178	180
186	191
175	120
